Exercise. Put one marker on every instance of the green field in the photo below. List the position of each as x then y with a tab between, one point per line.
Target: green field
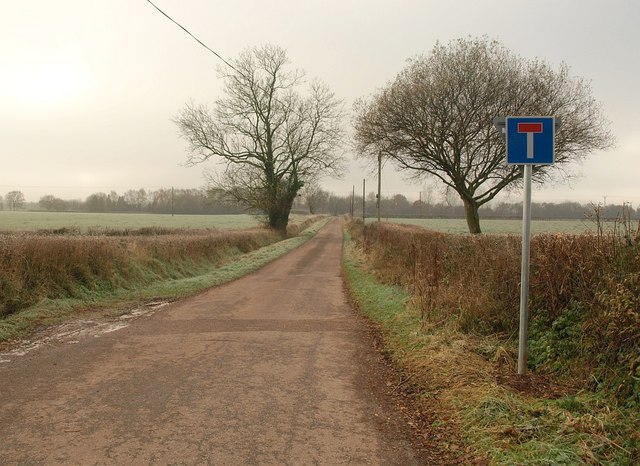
498	226
32	221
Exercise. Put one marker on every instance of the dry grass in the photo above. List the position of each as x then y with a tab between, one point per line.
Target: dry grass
461	375
66	263
584	286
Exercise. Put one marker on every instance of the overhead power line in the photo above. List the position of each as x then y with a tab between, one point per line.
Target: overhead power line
194	37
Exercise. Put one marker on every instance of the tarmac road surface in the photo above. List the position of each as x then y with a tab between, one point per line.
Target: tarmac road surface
274	368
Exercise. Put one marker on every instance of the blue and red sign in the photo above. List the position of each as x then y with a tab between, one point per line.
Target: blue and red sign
530	140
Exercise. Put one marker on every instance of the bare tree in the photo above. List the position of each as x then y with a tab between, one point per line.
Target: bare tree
271	138
136	199
315	197
435	118
14	200
50	202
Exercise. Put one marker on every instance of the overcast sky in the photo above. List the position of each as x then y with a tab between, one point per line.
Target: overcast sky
88	88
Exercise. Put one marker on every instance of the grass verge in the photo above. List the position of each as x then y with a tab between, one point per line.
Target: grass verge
476	407
189	278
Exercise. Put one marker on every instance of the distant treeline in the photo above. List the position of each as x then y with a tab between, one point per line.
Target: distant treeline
161	201
400	206
205	201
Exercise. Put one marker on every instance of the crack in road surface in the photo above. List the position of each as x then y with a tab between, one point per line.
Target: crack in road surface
274	368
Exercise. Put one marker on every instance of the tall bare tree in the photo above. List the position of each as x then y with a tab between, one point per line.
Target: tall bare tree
15	200
271	138
315	197
136	199
435	118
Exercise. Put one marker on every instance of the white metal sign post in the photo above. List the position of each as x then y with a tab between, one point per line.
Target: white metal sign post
530	141
524	272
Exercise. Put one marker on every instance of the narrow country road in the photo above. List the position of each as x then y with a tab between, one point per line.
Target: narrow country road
272	369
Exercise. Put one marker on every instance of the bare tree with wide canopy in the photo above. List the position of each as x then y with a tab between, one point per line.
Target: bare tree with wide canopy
271	138
436	118
14	200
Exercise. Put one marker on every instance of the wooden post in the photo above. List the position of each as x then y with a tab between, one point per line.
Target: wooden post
363	205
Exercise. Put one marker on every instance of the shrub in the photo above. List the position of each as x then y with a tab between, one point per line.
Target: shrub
552	346
36	266
616	333
584	293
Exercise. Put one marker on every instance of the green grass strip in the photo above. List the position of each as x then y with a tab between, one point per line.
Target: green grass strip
384	305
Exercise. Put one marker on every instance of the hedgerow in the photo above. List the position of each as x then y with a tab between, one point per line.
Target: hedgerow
47	265
584	294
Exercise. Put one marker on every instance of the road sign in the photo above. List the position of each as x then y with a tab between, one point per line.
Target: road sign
530	140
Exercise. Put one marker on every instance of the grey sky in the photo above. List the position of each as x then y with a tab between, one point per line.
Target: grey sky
88	88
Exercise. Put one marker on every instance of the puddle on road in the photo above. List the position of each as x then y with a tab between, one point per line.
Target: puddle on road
72	332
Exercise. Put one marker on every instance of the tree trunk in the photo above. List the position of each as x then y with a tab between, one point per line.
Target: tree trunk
279	213
280	224
473	217
279	219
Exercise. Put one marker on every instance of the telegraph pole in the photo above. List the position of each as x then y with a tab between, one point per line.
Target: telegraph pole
172	200
364	182
353	200
379	184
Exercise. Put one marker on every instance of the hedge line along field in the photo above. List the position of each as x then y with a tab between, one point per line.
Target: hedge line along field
81	221
588	285
56	264
34	267
581	400
498	226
